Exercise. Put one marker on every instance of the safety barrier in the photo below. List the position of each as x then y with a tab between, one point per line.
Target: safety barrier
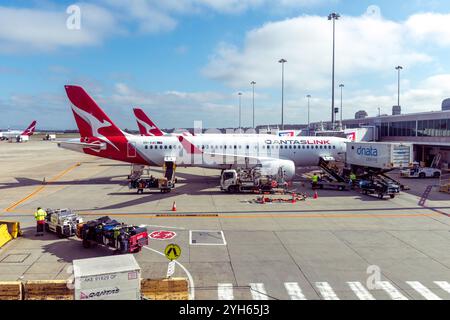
47	290
10	290
152	289
4	235
165	289
9	230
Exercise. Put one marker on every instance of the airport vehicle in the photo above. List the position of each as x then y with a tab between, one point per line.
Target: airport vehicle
379	187
105	231
63	222
49	137
164	184
417	171
379	155
331	176
19	135
102	138
251	180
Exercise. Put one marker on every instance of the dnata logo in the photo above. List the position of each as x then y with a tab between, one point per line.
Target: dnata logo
369	152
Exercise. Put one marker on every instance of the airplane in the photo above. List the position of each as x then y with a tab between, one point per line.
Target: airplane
14	134
100	137
148	128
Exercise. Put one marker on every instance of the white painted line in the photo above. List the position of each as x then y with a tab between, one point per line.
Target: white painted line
191	280
225	291
326	291
258	291
360	291
224	242
424	291
390	290
294	291
444	285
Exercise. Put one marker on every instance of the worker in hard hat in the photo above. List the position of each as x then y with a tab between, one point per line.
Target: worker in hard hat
315	180
40	215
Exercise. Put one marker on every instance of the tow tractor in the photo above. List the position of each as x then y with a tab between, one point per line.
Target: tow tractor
110	233
251	180
63	222
379	186
417	171
139	182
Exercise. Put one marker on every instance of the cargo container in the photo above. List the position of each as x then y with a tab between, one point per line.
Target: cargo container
107	278
380	155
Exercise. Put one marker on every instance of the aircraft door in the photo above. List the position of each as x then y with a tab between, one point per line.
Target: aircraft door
131	149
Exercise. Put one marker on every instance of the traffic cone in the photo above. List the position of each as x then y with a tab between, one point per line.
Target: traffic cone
293	198
174	206
315	195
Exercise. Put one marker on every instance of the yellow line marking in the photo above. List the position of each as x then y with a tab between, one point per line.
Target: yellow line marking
318	215
36	191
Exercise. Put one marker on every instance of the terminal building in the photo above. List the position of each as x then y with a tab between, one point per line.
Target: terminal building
428	131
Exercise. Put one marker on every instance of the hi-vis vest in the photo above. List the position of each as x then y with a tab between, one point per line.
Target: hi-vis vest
315	178
40	215
352	177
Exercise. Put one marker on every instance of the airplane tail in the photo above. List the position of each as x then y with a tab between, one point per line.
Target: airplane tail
30	130
146	126
90	118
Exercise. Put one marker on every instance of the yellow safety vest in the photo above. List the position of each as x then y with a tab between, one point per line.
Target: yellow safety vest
40	215
315	179
352	177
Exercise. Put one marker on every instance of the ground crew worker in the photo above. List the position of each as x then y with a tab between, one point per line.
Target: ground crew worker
352	180
315	180
40	215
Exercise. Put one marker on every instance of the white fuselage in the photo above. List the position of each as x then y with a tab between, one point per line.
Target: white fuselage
219	149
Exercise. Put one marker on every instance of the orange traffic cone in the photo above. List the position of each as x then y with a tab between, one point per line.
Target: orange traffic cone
174	206
315	195
294	200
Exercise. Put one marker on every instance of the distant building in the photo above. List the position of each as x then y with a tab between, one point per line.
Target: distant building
396	110
361	114
446	104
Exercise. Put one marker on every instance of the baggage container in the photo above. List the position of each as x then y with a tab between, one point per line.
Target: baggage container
107	278
381	155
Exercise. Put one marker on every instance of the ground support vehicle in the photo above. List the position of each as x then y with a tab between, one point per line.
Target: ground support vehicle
251	180
111	233
63	222
140	182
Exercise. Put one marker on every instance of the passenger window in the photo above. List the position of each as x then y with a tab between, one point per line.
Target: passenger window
235	146
290	147
146	147
248	147
165	147
320	147
170	147
334	147
303	147
160	147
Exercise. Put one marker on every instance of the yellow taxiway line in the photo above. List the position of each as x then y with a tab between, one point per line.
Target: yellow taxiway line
36	191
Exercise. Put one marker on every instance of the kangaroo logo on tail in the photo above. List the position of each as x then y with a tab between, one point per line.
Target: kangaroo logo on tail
30	130
95	125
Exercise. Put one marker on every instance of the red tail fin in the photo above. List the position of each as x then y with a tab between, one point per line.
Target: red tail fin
146	126
90	118
30	130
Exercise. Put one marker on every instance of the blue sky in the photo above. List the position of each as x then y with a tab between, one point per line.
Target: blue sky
186	60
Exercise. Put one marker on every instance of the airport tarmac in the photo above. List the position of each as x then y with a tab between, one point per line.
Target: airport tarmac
325	248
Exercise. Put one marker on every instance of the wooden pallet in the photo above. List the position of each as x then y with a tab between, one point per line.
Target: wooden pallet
10	290
47	290
165	289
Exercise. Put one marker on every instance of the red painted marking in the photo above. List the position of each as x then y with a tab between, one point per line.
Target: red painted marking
162	235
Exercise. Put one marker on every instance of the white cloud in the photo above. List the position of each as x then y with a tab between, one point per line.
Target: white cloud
364	45
430	27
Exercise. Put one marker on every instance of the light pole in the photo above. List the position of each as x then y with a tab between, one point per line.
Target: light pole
333	16
341	86
240	95
309	97
253	102
282	61
398	68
